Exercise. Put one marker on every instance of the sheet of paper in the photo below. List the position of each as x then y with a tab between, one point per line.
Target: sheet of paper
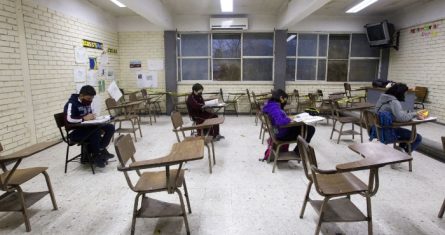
80	54
110	74
104	59
426	119
92	78
80	73
155	64
307	118
99	119
114	92
152	78
142	81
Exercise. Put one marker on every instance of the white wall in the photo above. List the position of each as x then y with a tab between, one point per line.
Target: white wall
135	24
419	14
82	10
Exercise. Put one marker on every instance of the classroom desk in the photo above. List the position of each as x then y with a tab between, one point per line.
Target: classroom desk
375	155
27	152
361	107
214	108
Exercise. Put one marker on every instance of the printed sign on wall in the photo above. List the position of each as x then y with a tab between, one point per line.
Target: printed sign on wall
92	44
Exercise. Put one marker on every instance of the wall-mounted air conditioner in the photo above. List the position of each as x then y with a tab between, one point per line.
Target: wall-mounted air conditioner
228	23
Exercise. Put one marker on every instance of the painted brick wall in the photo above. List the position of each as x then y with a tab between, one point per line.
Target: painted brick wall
140	46
13	129
51	38
420	61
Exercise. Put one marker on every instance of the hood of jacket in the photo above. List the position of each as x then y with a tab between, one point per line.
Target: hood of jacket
74	98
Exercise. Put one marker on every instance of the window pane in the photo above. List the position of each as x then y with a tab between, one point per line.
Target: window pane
257	69
306	69
321	76
258	44
226	45
338	46
290	70
291	44
307	45
337	70
195	69
179	69
360	47
322	45
195	44
363	70
226	70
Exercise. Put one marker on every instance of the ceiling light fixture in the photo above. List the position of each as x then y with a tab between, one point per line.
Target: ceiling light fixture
226	5
290	37
119	4
361	6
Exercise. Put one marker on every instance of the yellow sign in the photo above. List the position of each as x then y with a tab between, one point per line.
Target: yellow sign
92	44
112	50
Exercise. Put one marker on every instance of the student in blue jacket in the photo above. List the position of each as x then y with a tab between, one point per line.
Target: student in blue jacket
275	112
77	110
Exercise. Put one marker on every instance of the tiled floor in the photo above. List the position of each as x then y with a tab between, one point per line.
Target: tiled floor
242	196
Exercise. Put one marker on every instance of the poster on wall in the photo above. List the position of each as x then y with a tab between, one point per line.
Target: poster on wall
104	59
135	64
93	63
92	78
110	74
155	64
80	54
147	80
152	78
79	74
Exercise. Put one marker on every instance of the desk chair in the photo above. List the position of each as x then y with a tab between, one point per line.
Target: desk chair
339	118
179	101
14	198
168	180
258	101
143	108
121	114
178	126
372	120
279	156
263	127
442	208
252	105
421	94
349	91
332	184
303	102
155	101
84	154
229	103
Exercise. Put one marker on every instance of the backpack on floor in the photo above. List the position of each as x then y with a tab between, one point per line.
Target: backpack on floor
270	146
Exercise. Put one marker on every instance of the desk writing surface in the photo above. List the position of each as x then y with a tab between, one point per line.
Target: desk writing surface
359	106
375	155
415	121
28	151
180	152
212	121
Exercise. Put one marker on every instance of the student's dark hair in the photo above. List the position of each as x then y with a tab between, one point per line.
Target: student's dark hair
398	90
276	94
87	90
197	87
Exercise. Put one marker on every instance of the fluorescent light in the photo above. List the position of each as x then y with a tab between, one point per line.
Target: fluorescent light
119	4
361	6
226	5
290	37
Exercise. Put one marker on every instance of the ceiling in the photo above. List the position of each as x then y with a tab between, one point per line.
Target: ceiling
261	7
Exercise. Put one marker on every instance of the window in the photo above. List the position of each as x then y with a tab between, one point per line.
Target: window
338	57
306	57
226	56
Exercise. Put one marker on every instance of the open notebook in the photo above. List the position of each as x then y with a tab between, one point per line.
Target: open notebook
307	118
212	103
100	119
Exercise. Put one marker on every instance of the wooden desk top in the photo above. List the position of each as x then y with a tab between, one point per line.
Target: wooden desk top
359	106
180	152
212	121
28	151
237	93
414	122
375	155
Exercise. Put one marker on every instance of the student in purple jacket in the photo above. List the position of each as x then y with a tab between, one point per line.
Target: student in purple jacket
275	112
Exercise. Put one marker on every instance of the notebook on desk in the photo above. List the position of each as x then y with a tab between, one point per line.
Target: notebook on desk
424	120
212	103
100	119
307	118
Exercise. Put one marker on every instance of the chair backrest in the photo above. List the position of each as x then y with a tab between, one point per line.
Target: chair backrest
296	93
307	155
421	93
176	119
60	121
1	147
248	96
443	143
320	93
125	151
266	120
370	120
347	89
144	93
132	97
221	94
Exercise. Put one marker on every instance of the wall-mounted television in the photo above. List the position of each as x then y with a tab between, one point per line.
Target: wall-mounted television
380	34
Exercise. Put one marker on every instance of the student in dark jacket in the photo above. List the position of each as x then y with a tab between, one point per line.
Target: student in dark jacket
77	110
195	102
274	109
390	102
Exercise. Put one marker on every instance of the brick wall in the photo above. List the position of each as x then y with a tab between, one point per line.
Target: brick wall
50	38
420	61
13	128
140	46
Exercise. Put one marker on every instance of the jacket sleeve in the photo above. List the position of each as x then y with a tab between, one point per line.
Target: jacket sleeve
279	117
192	103
400	114
71	116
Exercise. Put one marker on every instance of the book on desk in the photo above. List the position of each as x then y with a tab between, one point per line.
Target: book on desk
99	119
307	118
213	103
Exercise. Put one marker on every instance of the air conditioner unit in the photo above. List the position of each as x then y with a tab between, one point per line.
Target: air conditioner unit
228	23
